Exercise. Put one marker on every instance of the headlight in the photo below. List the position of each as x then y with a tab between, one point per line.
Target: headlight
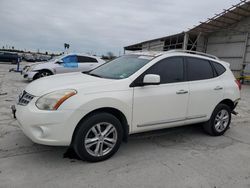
31	68
27	68
53	100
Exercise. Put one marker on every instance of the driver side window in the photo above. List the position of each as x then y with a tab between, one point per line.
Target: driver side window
70	61
171	70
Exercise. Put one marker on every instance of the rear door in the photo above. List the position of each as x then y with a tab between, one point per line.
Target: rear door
163	105
86	63
206	89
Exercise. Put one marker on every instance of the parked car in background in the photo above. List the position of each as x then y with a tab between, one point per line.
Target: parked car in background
35	57
9	57
40	57
63	64
93	112
29	57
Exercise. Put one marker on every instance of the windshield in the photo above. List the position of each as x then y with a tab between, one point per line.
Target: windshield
122	67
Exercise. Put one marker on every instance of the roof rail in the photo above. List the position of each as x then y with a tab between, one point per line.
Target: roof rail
194	52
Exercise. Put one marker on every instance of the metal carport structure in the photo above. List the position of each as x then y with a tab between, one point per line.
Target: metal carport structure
225	35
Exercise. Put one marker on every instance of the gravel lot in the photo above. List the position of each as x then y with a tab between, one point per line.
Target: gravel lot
178	157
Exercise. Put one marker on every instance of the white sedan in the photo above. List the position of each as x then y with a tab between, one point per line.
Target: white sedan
63	64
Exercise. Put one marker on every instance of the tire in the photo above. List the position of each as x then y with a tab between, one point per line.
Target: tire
88	137
42	74
219	121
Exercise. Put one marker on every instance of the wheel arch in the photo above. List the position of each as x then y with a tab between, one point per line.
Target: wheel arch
40	70
229	103
48	70
117	113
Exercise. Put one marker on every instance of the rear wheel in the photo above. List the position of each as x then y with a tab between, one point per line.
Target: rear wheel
98	137
219	121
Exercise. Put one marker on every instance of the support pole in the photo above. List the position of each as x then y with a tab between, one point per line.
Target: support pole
185	42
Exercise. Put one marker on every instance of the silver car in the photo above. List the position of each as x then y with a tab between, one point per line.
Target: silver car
62	64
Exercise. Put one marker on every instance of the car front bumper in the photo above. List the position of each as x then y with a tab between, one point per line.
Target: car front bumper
29	75
47	127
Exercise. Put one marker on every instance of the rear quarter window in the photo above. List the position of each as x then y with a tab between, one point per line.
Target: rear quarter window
220	69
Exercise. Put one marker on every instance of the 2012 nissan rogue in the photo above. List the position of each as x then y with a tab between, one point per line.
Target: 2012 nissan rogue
94	112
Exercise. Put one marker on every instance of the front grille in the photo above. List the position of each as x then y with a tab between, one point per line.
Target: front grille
24	98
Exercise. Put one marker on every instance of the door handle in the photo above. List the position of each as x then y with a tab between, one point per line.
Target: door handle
218	88
181	92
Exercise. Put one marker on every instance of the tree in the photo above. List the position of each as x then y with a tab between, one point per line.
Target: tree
110	55
66	46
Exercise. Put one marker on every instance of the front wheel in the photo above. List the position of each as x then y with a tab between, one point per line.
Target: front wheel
98	137
219	121
42	73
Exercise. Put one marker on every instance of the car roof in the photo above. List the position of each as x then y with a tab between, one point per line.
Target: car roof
180	52
176	52
80	54
147	53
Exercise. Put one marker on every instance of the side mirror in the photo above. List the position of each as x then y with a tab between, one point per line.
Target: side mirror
151	79
59	61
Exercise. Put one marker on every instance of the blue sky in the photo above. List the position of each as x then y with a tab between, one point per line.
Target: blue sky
98	26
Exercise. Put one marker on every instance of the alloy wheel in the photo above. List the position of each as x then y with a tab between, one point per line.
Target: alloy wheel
221	120
100	139
43	74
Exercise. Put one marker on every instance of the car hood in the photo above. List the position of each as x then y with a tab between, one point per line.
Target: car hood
41	65
38	63
76	81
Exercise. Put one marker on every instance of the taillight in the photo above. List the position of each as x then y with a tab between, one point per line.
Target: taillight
238	84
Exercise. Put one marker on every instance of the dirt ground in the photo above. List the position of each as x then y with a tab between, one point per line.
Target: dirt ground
178	157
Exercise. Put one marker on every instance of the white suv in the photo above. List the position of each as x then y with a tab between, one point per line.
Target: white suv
66	63
93	112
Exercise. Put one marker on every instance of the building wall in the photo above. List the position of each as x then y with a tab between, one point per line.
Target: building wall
156	45
232	45
201	44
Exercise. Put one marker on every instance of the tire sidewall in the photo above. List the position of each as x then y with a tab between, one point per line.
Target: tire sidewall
86	125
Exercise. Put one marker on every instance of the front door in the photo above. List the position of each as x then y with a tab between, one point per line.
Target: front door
163	105
69	64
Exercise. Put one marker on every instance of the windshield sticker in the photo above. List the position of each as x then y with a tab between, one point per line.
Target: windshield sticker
123	75
146	57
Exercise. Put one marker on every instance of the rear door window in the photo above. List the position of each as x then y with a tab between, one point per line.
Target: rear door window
198	69
85	59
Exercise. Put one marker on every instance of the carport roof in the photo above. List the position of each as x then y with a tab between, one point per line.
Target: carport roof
137	46
220	21
225	19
